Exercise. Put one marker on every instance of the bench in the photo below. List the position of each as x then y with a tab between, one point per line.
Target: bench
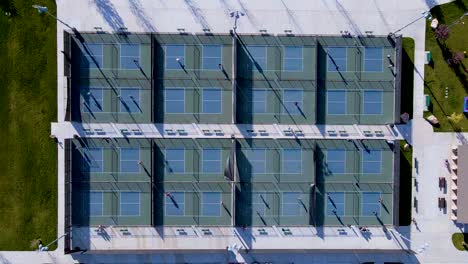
427	102
442	203
442	182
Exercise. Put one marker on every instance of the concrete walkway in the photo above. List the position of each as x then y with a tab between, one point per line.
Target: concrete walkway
434	226
67	130
430	150
301	238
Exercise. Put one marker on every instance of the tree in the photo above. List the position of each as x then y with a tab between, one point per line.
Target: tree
457	57
8	7
455	119
442	32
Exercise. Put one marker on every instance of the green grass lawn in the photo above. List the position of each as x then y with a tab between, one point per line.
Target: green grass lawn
457	240
28	104
440	75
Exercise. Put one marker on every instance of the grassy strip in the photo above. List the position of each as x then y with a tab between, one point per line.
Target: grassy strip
458	239
28	104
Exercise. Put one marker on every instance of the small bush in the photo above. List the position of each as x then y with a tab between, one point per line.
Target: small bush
455	120
457	57
459	240
442	32
7	7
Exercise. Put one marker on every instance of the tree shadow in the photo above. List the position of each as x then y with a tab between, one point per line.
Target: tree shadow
253	21
407	82
292	17
431	3
436	12
462	138
110	14
460	4
8	7
197	13
347	16
405	192
458	69
137	10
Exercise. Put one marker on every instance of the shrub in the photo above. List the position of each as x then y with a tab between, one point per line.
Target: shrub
442	32
457	57
7	7
455	119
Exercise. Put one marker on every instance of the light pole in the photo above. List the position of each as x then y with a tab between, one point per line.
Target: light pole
236	15
458	20
424	14
45	10
419	250
46	248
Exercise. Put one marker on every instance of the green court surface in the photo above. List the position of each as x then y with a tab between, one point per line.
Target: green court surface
268	204
177	182
176	78
354	183
191	187
195	203
371	204
111	182
112	78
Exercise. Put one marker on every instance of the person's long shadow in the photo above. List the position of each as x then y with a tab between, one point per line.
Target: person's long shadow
136	104
227	210
380	220
337	68
417	227
104	235
174	201
385	208
141	69
146	170
338	218
261	218
226	75
366	235
90	111
265	202
331	200
304	206
300	111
